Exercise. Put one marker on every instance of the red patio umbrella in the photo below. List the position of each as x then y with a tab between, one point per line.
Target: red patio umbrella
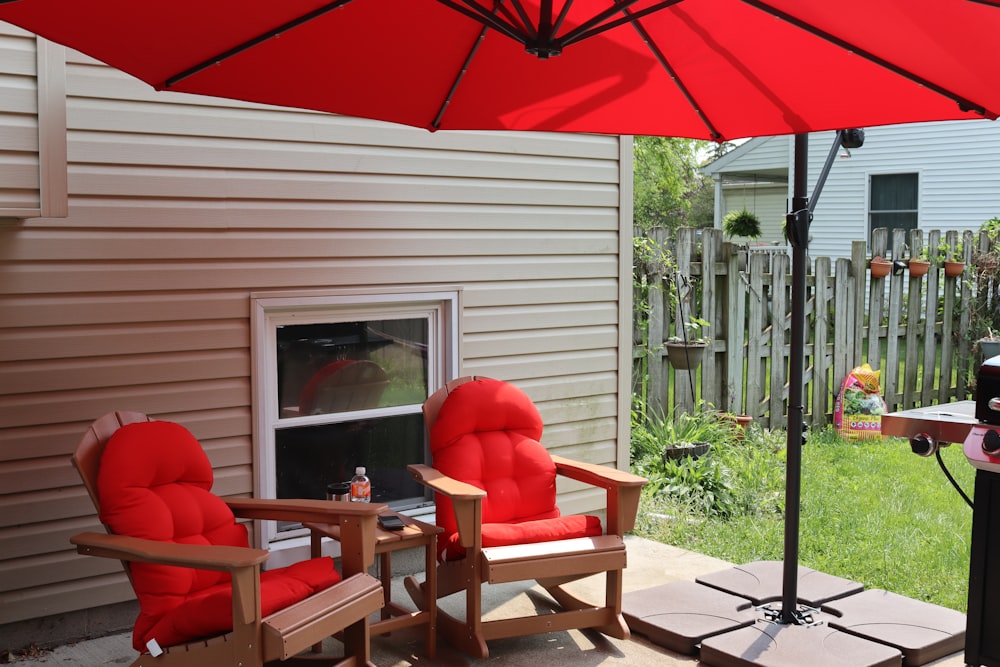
709	69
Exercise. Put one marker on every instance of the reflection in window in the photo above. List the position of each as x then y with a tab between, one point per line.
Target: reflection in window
346	366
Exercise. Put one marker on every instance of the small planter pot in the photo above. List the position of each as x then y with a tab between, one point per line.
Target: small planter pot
880	268
681	449
739	423
990	348
685	356
953	269
919	268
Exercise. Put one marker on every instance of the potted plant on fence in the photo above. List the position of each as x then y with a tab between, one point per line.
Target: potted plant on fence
686	352
953	266
919	264
880	266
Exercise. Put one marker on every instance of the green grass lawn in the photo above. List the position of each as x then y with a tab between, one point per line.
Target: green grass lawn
872	511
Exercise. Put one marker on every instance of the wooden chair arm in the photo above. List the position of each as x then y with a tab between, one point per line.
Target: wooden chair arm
319	511
466	501
243	564
623	490
443	484
357	521
596	475
199	556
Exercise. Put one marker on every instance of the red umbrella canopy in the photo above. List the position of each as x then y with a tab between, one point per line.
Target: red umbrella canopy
710	69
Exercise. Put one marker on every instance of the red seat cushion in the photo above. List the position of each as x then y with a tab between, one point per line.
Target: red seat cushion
155	482
487	434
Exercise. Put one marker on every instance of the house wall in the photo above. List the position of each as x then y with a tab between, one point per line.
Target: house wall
180	207
767	202
959	178
957	163
19	173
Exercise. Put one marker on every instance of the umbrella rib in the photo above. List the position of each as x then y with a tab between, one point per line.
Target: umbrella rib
489	19
662	59
436	123
250	43
597	25
963	103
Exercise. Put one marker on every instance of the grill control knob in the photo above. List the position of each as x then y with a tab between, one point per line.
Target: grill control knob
923	445
991	442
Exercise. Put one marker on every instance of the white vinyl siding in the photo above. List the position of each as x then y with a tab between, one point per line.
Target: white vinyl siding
181	207
32	126
958	163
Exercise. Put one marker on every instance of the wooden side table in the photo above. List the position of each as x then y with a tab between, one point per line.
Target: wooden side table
414	534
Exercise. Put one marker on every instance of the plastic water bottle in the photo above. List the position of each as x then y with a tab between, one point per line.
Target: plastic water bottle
361	486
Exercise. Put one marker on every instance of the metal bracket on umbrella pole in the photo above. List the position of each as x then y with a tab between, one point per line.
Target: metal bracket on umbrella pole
797	222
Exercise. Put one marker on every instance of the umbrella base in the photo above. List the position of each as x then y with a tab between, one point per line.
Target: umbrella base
680	615
922	631
768	644
761	582
841	625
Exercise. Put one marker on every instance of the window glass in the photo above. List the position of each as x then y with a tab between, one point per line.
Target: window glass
893	202
340	382
334	367
310	457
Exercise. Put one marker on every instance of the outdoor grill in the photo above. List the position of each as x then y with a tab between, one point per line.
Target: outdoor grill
988	392
976	424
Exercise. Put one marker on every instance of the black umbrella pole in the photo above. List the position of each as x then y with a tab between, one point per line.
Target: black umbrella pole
798	228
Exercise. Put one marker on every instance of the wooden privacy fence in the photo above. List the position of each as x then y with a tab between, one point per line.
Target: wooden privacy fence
919	330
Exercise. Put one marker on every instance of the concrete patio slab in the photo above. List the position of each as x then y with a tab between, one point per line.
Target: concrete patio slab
649	564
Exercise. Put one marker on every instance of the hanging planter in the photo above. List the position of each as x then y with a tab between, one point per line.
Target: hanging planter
919	267
741	223
953	269
685	356
880	267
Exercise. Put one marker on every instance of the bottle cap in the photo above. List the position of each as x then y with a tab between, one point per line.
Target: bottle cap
360	470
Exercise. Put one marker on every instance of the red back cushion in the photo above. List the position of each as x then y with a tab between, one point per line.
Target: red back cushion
155	482
486	434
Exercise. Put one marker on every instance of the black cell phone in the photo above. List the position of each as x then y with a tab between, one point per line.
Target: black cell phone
390	522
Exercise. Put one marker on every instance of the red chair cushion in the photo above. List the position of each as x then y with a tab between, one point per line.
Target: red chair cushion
155	483
310	392
486	434
544	530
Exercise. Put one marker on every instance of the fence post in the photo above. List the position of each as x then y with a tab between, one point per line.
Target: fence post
821	360
965	319
657	322
780	335
684	290
711	375
736	329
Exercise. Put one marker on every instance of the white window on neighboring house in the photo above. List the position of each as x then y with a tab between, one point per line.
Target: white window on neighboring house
339	382
893	202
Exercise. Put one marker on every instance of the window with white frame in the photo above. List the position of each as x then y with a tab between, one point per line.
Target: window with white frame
339	382
893	202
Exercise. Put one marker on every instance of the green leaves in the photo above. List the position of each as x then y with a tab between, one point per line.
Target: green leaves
665	177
